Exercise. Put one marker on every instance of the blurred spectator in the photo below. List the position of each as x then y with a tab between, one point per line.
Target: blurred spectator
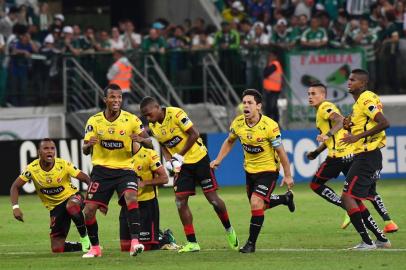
2	8
43	20
7	22
88	42
70	45
295	30
375	18
199	25
315	36
303	7
116	41
77	32
202	41
332	7
357	8
303	23
104	44
3	72
24	17
130	39
399	13
58	20
227	38
272	86
351	26
154	43
120	73
390	49
367	38
20	65
178	40
235	13
282	37
257	8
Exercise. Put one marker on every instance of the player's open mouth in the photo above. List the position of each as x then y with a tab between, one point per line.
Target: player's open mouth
246	111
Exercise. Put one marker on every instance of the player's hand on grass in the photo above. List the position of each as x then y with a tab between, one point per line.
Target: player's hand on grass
288	180
18	214
214	164
312	155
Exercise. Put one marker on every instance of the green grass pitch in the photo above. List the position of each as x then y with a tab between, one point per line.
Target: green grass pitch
310	238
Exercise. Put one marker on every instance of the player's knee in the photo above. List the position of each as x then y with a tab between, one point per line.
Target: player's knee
256	202
180	202
130	196
57	249
90	211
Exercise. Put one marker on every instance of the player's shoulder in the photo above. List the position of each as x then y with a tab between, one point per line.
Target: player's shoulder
268	122
327	104
33	165
367	97
239	120
97	116
151	153
175	111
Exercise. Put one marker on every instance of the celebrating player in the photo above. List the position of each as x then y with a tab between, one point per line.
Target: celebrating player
367	125
52	180
150	174
263	152
187	156
329	122
109	139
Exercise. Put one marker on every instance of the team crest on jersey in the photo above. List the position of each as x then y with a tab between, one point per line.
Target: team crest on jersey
139	167
100	132
171	130
163	131
59	180
49	180
260	139
122	132
111	130
249	136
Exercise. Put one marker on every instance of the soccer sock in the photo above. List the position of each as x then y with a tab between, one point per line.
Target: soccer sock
125	245
78	218
190	233
276	200
133	216
326	193
257	219
371	224
379	206
357	221
72	247
93	230
224	219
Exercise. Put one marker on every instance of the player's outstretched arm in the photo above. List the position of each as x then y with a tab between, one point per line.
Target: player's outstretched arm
224	150
287	179
338	120
160	178
17	184
88	145
143	139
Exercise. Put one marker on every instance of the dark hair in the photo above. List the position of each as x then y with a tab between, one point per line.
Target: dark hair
44	140
319	84
253	92
362	72
147	100
112	86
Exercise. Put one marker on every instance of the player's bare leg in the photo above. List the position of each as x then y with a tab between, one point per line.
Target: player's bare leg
92	230
186	218
133	216
221	210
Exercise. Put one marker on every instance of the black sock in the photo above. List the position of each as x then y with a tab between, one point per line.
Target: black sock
371	224
93	231
257	219
377	202
124	229
326	193
276	200
133	217
79	221
72	247
357	221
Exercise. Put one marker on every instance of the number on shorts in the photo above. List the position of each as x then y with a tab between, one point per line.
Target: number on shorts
93	187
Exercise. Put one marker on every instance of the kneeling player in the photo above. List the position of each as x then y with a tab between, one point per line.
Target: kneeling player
51	178
150	173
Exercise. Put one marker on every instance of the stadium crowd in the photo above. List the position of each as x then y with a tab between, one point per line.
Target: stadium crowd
29	32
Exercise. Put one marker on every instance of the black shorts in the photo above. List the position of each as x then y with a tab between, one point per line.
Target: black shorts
360	182
105	181
196	173
60	219
331	168
262	184
149	216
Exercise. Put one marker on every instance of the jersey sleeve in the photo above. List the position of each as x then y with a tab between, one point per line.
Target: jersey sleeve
327	110
371	106
274	135
138	126
182	120
26	175
89	129
155	162
71	169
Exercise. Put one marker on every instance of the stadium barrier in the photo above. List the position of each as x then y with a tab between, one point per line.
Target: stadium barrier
17	154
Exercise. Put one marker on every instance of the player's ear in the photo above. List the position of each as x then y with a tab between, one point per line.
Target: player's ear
259	106
105	100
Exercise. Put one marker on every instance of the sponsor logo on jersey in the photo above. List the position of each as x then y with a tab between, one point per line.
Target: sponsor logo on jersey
260	139
139	167
173	142
59	180
178	114
252	149
122	132
111	144
52	191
